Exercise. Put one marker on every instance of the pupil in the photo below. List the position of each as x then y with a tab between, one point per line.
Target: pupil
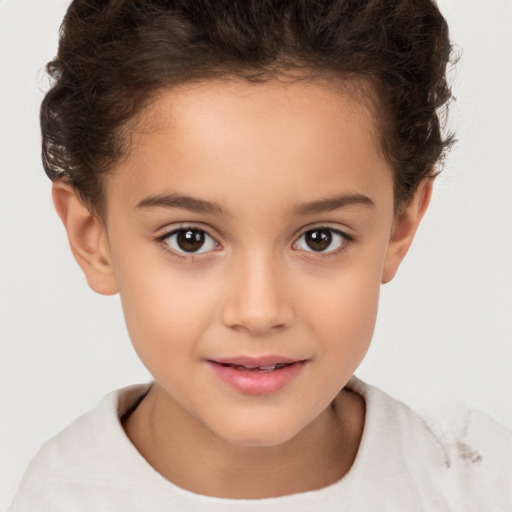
319	239
190	240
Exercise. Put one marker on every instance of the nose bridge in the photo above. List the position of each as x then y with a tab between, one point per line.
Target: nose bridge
257	299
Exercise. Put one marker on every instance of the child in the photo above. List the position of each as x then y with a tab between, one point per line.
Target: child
246	175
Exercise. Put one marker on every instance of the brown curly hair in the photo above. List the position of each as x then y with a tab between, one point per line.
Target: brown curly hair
115	55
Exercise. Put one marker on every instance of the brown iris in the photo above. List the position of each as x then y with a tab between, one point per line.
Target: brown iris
190	240
319	239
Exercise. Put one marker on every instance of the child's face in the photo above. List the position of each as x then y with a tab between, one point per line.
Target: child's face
284	196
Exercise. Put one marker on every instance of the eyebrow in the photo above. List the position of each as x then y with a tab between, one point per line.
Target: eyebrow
181	201
206	207
330	204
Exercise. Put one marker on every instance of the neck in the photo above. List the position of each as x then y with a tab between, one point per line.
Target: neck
192	457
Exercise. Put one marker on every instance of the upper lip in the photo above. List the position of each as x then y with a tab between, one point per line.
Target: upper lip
254	362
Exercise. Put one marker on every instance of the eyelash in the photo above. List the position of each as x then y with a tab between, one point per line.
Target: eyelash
347	240
191	257
188	257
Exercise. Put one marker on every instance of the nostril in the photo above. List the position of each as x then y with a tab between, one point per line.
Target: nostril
257	329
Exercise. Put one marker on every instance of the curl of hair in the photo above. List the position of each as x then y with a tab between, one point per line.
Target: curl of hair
115	55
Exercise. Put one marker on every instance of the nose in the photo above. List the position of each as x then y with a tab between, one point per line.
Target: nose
257	299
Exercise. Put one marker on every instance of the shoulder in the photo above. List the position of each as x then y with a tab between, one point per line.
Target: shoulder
80	456
458	453
480	452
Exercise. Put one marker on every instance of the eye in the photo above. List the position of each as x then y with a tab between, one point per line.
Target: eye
322	240
190	241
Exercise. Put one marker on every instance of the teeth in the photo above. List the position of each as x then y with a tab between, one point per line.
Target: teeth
269	368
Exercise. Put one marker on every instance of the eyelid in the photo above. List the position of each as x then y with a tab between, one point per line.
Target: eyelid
345	232
176	226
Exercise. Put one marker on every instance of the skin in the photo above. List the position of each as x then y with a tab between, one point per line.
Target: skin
259	153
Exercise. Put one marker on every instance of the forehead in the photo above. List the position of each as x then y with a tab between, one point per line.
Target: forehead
319	100
216	137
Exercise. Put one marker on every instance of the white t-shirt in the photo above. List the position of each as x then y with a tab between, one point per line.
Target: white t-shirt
401	465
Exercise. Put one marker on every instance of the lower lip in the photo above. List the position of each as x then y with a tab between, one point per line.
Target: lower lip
253	382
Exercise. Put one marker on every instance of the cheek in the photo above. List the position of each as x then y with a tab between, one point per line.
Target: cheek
343	311
166	308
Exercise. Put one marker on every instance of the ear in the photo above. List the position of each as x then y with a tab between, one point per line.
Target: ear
404	228
87	239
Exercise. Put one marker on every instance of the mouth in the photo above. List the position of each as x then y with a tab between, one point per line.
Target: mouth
259	369
257	376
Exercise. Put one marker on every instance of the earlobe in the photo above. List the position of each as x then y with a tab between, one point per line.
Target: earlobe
87	239
404	228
